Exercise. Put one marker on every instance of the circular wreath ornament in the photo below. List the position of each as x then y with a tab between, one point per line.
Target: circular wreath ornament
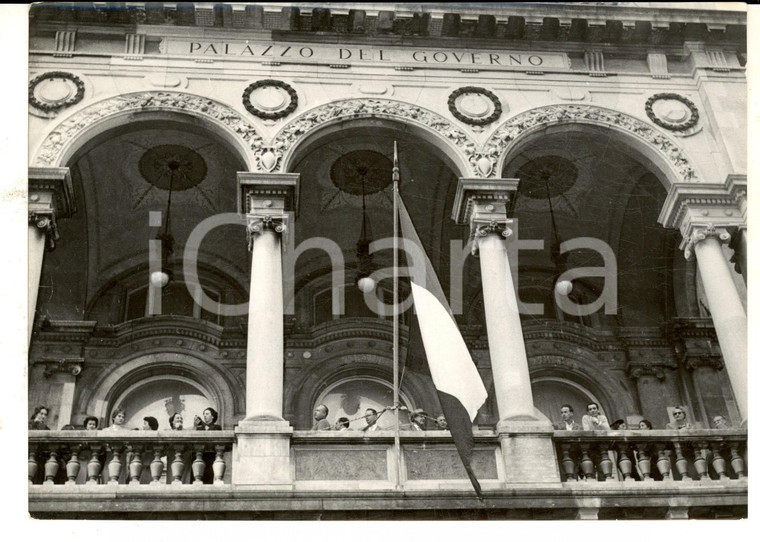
475	106
672	111
52	91
270	99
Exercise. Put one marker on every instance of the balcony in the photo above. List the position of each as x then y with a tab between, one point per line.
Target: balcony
616	474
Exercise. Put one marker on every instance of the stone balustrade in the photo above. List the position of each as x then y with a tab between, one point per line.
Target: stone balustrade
129	457
652	456
358	460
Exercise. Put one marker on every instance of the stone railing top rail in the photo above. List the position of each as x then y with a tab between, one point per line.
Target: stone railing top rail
655	435
352	436
190	436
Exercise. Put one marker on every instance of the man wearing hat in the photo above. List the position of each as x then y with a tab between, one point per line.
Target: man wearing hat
418	418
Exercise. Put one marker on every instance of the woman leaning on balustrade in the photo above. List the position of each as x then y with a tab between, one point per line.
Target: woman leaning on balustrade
39	418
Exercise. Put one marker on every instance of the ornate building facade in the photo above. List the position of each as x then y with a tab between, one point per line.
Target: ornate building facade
200	175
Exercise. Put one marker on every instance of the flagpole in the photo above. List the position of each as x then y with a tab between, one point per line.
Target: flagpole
396	438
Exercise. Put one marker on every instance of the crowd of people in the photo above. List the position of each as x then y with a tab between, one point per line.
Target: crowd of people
594	420
418	421
207	422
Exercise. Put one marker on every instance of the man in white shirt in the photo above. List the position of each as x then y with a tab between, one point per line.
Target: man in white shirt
370	416
594	420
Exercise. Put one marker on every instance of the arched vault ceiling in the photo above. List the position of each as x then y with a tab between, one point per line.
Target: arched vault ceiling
427	186
119	197
590	181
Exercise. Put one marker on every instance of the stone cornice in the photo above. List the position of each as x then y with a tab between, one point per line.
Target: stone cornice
700	210
51	197
553	331
156	326
257	188
57	182
65	330
596	15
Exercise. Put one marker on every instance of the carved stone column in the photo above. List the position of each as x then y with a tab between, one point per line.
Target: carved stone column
702	213
525	433
51	197
262	455
483	205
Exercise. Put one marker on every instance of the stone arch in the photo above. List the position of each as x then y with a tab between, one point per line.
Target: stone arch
112	384
63	141
301	395
455	144
582	367
651	143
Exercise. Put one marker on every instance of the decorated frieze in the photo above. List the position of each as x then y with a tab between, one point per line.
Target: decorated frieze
52	148
496	146
270	158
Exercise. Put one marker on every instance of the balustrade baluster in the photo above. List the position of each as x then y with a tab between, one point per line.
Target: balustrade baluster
135	465
605	463
568	465
156	466
644	461
51	467
663	461
178	466
718	463
198	466
219	466
114	466
587	465
700	460
624	463
682	466
34	466
94	467
737	463
73	466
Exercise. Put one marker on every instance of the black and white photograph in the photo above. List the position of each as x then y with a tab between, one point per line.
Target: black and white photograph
384	261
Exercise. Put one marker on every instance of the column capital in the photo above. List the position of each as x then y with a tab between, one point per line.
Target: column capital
700	232
484	205
658	370
50	197
72	366
267	201
705	210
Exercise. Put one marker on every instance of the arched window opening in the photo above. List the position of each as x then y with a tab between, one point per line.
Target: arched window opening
161	397
550	393
355	305
175	300
351	397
